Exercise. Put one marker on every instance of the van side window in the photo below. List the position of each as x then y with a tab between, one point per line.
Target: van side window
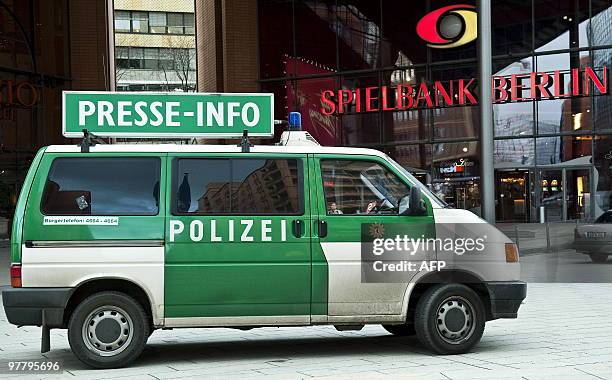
102	186
361	187
238	186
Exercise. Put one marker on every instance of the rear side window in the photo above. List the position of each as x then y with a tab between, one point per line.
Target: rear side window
606	217
238	186
102	186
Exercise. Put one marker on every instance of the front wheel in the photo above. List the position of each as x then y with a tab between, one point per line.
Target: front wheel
599	257
108	330
450	319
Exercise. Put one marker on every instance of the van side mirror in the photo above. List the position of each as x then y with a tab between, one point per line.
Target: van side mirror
412	204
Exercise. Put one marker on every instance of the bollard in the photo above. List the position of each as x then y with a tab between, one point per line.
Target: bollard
547	237
516	233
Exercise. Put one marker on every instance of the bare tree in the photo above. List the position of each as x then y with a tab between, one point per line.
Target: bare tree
181	54
123	41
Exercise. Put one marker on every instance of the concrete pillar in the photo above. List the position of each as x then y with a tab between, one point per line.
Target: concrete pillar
487	175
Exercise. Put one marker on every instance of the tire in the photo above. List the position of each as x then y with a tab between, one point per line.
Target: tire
400	330
598	257
108	330
449	319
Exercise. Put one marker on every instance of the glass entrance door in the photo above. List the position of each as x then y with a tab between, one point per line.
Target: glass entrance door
513	196
551	195
578	194
565	194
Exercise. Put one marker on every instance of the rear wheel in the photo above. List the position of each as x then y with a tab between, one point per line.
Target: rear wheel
599	257
108	330
450	319
400	330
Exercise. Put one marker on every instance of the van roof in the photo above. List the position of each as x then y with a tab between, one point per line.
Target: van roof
230	148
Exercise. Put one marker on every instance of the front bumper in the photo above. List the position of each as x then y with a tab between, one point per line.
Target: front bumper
26	306
506	298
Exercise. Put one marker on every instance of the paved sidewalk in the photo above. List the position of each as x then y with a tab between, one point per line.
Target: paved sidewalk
564	332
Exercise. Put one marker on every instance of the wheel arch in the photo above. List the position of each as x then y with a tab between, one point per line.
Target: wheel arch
453	276
102	284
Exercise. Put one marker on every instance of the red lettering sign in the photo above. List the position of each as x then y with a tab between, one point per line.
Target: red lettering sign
539	85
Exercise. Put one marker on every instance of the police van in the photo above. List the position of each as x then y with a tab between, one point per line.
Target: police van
115	241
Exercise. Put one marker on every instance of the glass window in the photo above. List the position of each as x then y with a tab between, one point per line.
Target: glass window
151	58
202	194
400	45
266	187
606	217
416	158
166	59
136	58
364	127
102	186
406	126
560	24
122	21
456	174
276	38
122	57
157	22
305	97
140	22
456	122
513	119
601	22
189	22
602	161
361	187
316	32
572	150
238	186
511	27
359	34
511	153
175	23
193	62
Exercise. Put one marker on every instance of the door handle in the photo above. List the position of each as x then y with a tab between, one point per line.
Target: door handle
297	228
322	229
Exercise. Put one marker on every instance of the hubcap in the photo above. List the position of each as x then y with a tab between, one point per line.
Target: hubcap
455	320
108	330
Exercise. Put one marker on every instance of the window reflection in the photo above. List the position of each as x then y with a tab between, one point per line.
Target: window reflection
601	22
359	34
560	24
570	150
512	26
513	152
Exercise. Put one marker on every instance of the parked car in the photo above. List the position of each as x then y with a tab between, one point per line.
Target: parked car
595	239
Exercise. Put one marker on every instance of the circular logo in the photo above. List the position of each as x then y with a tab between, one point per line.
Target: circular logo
449	27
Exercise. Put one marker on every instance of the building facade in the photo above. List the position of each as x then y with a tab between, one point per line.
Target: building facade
154	45
45	47
400	77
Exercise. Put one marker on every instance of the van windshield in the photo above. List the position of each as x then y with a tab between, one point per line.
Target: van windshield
424	189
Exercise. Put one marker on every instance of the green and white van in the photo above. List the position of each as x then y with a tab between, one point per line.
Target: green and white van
121	240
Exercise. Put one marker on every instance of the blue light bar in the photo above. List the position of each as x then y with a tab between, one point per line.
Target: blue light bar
295	121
